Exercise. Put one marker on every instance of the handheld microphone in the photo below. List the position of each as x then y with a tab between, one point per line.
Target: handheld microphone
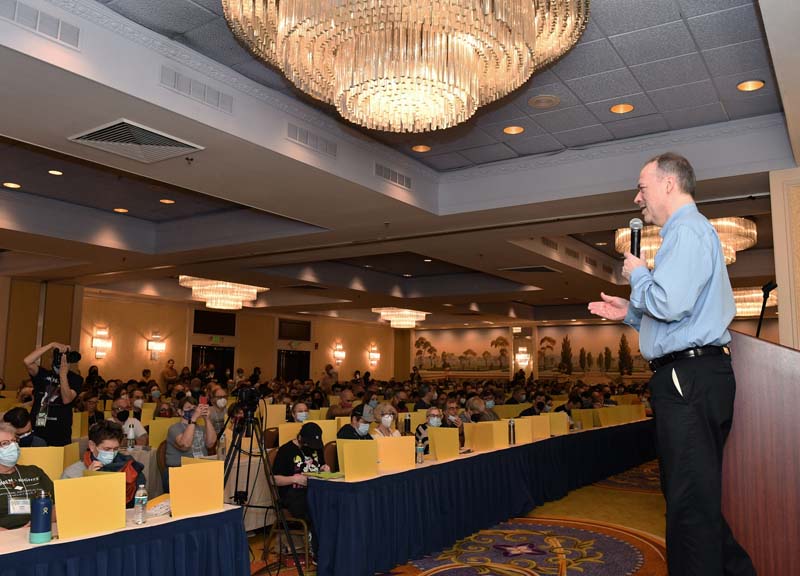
636	236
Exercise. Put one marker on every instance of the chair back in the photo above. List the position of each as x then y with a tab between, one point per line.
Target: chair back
331	456
161	457
271	438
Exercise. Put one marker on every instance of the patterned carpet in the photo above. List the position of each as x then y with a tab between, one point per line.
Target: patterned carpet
644	479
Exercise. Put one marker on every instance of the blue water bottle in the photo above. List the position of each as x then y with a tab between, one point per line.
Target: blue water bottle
41	517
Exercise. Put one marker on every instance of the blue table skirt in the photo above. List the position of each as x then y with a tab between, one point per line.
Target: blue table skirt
375	525
210	545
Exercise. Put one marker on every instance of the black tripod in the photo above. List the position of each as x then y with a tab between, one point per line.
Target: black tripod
250	426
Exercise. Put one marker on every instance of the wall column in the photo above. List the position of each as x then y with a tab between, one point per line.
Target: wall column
785	196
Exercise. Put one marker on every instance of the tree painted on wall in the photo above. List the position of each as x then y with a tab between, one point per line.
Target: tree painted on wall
589	361
470	354
422	345
607	358
546	345
501	343
566	356
625	360
487	356
582	359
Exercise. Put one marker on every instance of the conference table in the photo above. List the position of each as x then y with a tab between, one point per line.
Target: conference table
377	524
205	545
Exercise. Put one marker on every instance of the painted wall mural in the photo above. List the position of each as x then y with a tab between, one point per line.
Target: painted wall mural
599	350
468	350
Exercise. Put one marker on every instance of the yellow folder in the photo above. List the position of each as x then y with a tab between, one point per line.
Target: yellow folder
276	415
317	414
48	458
76	519
288	431
328	429
443	443
507	411
342	421
196	487
483	436
559	423
587	417
71	454
358	459
80	424
540	426
158	430
395	454
148	411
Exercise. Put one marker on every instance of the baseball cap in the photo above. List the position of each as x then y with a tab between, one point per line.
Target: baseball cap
311	436
358	412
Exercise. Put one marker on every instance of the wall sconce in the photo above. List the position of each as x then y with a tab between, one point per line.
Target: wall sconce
374	355
338	353
522	357
101	342
156	345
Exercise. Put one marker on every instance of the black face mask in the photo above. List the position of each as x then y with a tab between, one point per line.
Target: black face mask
26	399
540	406
475	417
122	415
26	441
607	396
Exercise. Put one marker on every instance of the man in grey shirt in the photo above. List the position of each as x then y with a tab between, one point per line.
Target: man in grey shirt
186	438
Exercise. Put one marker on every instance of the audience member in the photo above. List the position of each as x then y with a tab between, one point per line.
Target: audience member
433	418
121	414
217	411
186	438
517	396
399	401
299	412
344	407
427	394
385	415
20	419
358	429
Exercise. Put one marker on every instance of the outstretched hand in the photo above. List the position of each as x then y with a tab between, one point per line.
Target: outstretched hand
610	307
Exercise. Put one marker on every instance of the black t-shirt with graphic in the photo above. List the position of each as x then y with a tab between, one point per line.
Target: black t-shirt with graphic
47	389
21	483
291	460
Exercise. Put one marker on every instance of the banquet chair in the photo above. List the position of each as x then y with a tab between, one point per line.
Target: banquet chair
297	526
331	456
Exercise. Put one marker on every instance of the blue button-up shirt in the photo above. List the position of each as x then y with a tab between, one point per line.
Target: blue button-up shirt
687	300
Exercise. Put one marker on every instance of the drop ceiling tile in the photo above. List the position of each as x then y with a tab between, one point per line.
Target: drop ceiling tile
697	116
449	161
584	136
565	95
604	86
638	126
459	138
497	112
535	145
568	119
262	74
586	59
540	78
167	18
216	41
496	130
491	153
671	72
620	16
726	27
691	8
656	43
641	107
737	58
591	33
213	5
726	85
684	96
755	106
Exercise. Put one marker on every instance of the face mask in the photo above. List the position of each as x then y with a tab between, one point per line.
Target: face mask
301	416
522	398
540	406
9	455
106	457
435	421
222	402
187	414
26	440
547	408
363	428
124	397
155	394
463	401
452	418
373	403
489	404
138	403
122	415
387	420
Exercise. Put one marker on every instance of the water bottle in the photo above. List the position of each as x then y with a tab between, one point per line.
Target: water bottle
131	437
221	446
41	518
512	433
140	505
420	453
407	424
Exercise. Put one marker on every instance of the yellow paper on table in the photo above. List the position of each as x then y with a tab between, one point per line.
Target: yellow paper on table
417	418
483	436
540	426
523	432
148	412
500	434
395	454
158	430
107	414
196	487
328	429
276	415
48	458
71	454
469	430
80	424
559	423
76	519
342	421
358	459
288	431
443	443
587	417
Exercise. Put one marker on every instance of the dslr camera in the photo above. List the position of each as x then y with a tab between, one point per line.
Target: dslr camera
72	357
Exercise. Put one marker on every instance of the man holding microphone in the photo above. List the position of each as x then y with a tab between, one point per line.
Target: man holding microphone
682	310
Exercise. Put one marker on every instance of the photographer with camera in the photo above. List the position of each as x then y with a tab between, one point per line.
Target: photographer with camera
54	392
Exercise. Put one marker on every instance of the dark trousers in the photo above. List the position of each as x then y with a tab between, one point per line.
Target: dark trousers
296	503
691	430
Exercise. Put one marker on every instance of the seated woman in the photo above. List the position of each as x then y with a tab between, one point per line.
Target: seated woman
103	455
385	414
19	482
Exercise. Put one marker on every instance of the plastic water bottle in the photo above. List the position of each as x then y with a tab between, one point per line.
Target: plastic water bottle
221	446
131	437
140	505
512	433
420	453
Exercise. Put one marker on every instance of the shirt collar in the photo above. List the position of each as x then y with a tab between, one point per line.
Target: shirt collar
680	213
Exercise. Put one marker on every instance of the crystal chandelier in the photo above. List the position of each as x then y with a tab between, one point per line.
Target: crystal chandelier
522	357
407	65
749	300
219	294
400	317
735	234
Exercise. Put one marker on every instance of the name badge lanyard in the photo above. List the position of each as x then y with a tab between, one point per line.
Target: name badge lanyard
18	503
44	407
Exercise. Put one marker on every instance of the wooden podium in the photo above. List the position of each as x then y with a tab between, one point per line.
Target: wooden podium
761	468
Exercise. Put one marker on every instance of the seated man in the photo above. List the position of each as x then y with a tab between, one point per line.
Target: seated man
120	413
344	407
538	406
103	455
434	418
20	419
488	399
517	396
358	429
427	394
452	420
19	482
474	411
294	459
90	405
299	412
186	438
399	401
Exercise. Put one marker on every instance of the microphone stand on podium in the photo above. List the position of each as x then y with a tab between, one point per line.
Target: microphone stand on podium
766	289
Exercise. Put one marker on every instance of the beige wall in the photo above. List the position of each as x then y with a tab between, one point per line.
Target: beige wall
402	355
769	329
785	200
256	343
23	313
356	339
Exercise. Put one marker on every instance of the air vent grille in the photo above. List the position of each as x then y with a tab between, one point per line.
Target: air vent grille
393	176
126	138
591	261
196	90
307	287
552	244
572	253
608	269
41	22
311	140
533	269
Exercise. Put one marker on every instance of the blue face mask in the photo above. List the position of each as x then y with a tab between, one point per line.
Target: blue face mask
106	457
187	414
155	394
435	421
489	404
302	416
373	403
9	455
363	428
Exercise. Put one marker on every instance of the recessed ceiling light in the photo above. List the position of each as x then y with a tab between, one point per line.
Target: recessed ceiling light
545	321
55	172
466	323
427	260
601	243
167	201
565	298
574	320
448	305
544	101
12	185
623	108
750	85
367	265
513	130
121	210
406	275
421	148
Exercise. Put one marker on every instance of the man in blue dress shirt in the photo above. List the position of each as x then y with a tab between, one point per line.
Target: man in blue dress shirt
682	310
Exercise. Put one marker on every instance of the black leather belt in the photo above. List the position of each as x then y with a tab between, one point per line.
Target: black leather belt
688	353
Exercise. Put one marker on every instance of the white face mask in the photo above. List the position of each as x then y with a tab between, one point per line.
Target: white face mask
387	420
302	416
138	403
222	402
363	428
